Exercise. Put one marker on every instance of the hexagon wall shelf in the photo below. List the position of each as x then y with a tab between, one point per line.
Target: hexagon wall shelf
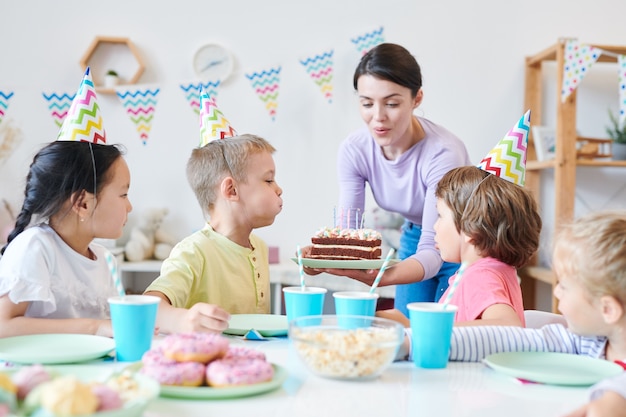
110	53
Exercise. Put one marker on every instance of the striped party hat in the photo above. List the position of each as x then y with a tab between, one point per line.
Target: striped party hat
83	121
213	124
508	158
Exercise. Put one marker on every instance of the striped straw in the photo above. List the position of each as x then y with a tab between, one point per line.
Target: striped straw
381	271
115	274
455	284
301	267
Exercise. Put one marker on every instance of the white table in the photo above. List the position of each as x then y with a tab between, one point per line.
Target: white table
462	389
280	274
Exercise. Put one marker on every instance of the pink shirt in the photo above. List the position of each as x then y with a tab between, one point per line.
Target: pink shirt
486	282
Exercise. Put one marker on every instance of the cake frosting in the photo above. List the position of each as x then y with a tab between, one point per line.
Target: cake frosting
346	244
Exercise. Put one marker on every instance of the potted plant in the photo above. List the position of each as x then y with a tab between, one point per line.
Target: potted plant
618	134
111	79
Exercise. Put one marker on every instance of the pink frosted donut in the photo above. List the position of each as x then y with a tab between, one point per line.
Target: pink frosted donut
194	347
155	356
108	398
188	374
238	371
28	377
243	352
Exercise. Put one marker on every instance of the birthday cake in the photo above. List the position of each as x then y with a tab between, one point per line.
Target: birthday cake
346	244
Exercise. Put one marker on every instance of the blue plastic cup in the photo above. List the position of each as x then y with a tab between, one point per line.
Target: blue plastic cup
133	318
431	328
354	303
299	303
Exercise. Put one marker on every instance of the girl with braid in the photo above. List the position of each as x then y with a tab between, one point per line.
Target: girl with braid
53	277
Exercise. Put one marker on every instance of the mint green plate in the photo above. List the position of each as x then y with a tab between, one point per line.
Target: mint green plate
553	368
349	264
149	388
267	325
49	349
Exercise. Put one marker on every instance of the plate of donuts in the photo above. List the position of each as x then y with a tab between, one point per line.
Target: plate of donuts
268	325
218	393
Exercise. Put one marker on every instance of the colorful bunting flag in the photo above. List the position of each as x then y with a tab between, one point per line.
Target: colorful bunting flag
265	84
578	60
192	93
83	121
320	68
140	106
369	40
4	103
508	158
59	104
213	124
621	69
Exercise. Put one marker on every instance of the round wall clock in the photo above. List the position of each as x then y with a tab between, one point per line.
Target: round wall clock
213	62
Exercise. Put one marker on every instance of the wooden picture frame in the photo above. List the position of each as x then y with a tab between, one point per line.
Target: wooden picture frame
544	138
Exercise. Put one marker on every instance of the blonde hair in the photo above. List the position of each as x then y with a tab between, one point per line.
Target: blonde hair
500	218
592	251
209	165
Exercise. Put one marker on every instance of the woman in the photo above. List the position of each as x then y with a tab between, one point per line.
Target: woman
401	157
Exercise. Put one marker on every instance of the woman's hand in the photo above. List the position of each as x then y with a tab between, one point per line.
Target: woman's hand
366	276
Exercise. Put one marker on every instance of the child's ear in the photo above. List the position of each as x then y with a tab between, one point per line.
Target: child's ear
612	309
228	188
80	204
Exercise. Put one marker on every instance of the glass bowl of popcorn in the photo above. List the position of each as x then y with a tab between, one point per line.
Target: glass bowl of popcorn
346	347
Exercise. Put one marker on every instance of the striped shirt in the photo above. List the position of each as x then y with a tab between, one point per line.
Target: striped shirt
474	343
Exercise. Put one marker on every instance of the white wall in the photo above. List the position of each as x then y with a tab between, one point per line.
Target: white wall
472	56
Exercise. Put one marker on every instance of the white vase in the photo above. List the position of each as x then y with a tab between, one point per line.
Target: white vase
619	151
111	81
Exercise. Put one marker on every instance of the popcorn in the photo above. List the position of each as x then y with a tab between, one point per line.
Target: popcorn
347	354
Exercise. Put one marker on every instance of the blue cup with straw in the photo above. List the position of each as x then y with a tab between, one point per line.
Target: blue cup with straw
133	318
431	329
303	301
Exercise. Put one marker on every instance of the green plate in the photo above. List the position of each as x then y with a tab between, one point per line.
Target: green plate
211	393
48	349
90	373
553	368
350	264
266	324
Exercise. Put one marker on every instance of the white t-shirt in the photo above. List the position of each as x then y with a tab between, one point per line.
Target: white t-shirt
39	267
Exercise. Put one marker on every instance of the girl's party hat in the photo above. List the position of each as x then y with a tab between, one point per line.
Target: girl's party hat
83	121
213	124
508	158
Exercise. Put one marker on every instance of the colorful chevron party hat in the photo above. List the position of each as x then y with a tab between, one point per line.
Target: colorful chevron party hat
84	121
213	124
508	158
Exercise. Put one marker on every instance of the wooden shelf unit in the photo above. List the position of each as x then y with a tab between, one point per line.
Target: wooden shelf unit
565	162
94	49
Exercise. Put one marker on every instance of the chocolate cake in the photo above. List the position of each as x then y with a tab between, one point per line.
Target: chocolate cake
346	244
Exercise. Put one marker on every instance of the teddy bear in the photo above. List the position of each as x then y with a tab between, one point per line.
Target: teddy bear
147	240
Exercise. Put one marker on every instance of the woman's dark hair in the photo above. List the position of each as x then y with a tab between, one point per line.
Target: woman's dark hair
59	170
391	62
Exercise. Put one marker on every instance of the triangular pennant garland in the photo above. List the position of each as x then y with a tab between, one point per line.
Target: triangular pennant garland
508	158
369	40
59	104
621	68
84	121
265	84
320	69
213	124
192	93
4	103
578	60
140	106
